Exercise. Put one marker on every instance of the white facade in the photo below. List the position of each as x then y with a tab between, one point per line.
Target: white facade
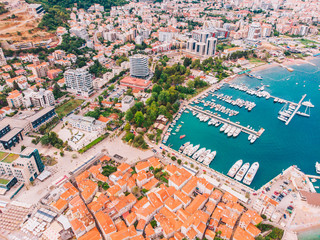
139	66
165	36
43	98
87	124
254	31
211	46
127	103
79	81
23	168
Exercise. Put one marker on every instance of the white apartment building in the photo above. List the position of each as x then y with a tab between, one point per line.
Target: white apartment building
254	32
43	98
165	36
139	66
79	81
127	103
25	166
88	124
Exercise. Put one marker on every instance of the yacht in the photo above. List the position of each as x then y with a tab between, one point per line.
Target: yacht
209	158
253	139
232	130
228	129
251	173
242	171
318	167
187	149
198	153
211	122
183	146
193	150
203	155
235	167
237	132
250	137
224	126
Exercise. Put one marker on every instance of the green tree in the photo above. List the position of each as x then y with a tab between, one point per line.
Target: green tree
139	118
129	115
187	61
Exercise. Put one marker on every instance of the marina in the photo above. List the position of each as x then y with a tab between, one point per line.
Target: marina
287	149
243	129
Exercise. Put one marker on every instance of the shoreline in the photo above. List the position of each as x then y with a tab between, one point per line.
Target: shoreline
301	230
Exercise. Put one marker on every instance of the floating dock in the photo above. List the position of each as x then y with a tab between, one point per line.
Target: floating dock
243	129
296	109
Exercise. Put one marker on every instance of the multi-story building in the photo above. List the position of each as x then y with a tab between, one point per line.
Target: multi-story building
80	32
126	103
35	9
200	35
88	124
79	81
303	30
266	30
207	48
254	32
41	70
42	98
211	44
41	117
165	36
139	66
24	166
3	60
15	99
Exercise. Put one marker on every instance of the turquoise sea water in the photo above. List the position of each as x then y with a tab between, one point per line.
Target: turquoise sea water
280	146
310	235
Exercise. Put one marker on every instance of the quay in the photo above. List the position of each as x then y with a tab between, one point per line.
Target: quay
313	176
296	110
243	129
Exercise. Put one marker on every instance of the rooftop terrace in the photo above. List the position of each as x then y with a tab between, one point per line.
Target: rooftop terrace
8	158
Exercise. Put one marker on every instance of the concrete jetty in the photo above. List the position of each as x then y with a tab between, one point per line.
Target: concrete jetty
296	109
243	129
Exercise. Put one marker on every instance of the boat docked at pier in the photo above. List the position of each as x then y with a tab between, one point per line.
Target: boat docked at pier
236	132
187	149
193	150
240	174
209	158
251	173
318	167
198	153
203	155
224	126
183	146
235	167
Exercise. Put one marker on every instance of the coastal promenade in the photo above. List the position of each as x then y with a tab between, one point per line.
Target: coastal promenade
243	129
223	179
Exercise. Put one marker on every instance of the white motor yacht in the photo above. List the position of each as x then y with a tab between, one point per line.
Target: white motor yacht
251	173
240	174
235	167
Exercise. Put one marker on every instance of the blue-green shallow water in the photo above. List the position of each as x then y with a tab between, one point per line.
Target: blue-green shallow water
280	146
310	235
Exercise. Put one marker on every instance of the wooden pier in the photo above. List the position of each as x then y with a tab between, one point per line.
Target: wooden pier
243	129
